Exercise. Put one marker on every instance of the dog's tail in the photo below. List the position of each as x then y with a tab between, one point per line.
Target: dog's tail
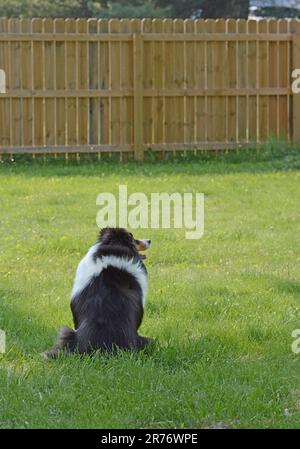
66	343
67	338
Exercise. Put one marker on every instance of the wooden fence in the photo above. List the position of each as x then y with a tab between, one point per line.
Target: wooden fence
128	85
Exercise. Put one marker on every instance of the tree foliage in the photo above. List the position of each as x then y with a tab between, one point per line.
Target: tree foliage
135	9
226	9
278	11
182	8
144	8
82	8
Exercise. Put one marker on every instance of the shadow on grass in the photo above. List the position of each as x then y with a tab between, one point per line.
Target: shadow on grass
28	336
287	286
275	156
282	285
25	333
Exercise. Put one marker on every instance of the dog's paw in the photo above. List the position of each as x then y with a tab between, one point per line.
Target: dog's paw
45	355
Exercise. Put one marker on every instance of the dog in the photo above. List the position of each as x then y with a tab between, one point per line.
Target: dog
108	297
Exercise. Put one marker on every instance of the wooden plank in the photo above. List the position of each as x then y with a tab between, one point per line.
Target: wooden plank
38	57
119	37
50	85
115	83
210	60
60	64
5	51
268	91
16	104
232	69
138	96
71	84
26	78
201	84
104	65
70	57
158	84
126	86
38	84
50	61
80	93
219	104
148	79
66	149
168	82
61	37
179	83
273	81
263	67
190	62
5	118
242	82
126	148
284	77
27	84
253	124
93	69
83	84
202	146
217	37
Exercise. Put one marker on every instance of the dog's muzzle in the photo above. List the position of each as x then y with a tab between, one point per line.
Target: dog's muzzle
142	245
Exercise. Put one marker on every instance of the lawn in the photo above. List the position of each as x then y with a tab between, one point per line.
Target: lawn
221	309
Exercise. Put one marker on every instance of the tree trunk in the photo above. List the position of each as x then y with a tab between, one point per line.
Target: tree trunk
218	9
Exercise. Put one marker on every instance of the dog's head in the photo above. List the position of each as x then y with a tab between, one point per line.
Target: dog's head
121	237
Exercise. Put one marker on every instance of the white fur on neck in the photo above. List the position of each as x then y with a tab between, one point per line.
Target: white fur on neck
89	268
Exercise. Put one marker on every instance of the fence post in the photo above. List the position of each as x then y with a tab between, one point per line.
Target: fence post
138	96
296	96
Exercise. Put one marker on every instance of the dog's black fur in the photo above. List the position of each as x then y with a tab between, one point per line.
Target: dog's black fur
108	311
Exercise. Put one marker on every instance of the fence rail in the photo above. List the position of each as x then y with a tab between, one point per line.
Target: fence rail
128	85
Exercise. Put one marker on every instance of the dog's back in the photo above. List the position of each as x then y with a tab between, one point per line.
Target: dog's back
108	312
107	302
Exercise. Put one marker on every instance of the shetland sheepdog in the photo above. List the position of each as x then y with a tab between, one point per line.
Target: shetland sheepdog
108	297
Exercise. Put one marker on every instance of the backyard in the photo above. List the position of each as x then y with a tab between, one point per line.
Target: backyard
220	309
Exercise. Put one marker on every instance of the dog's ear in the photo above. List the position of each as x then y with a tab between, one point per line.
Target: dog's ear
104	232
107	234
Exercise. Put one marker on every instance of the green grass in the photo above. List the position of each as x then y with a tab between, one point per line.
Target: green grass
221	309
